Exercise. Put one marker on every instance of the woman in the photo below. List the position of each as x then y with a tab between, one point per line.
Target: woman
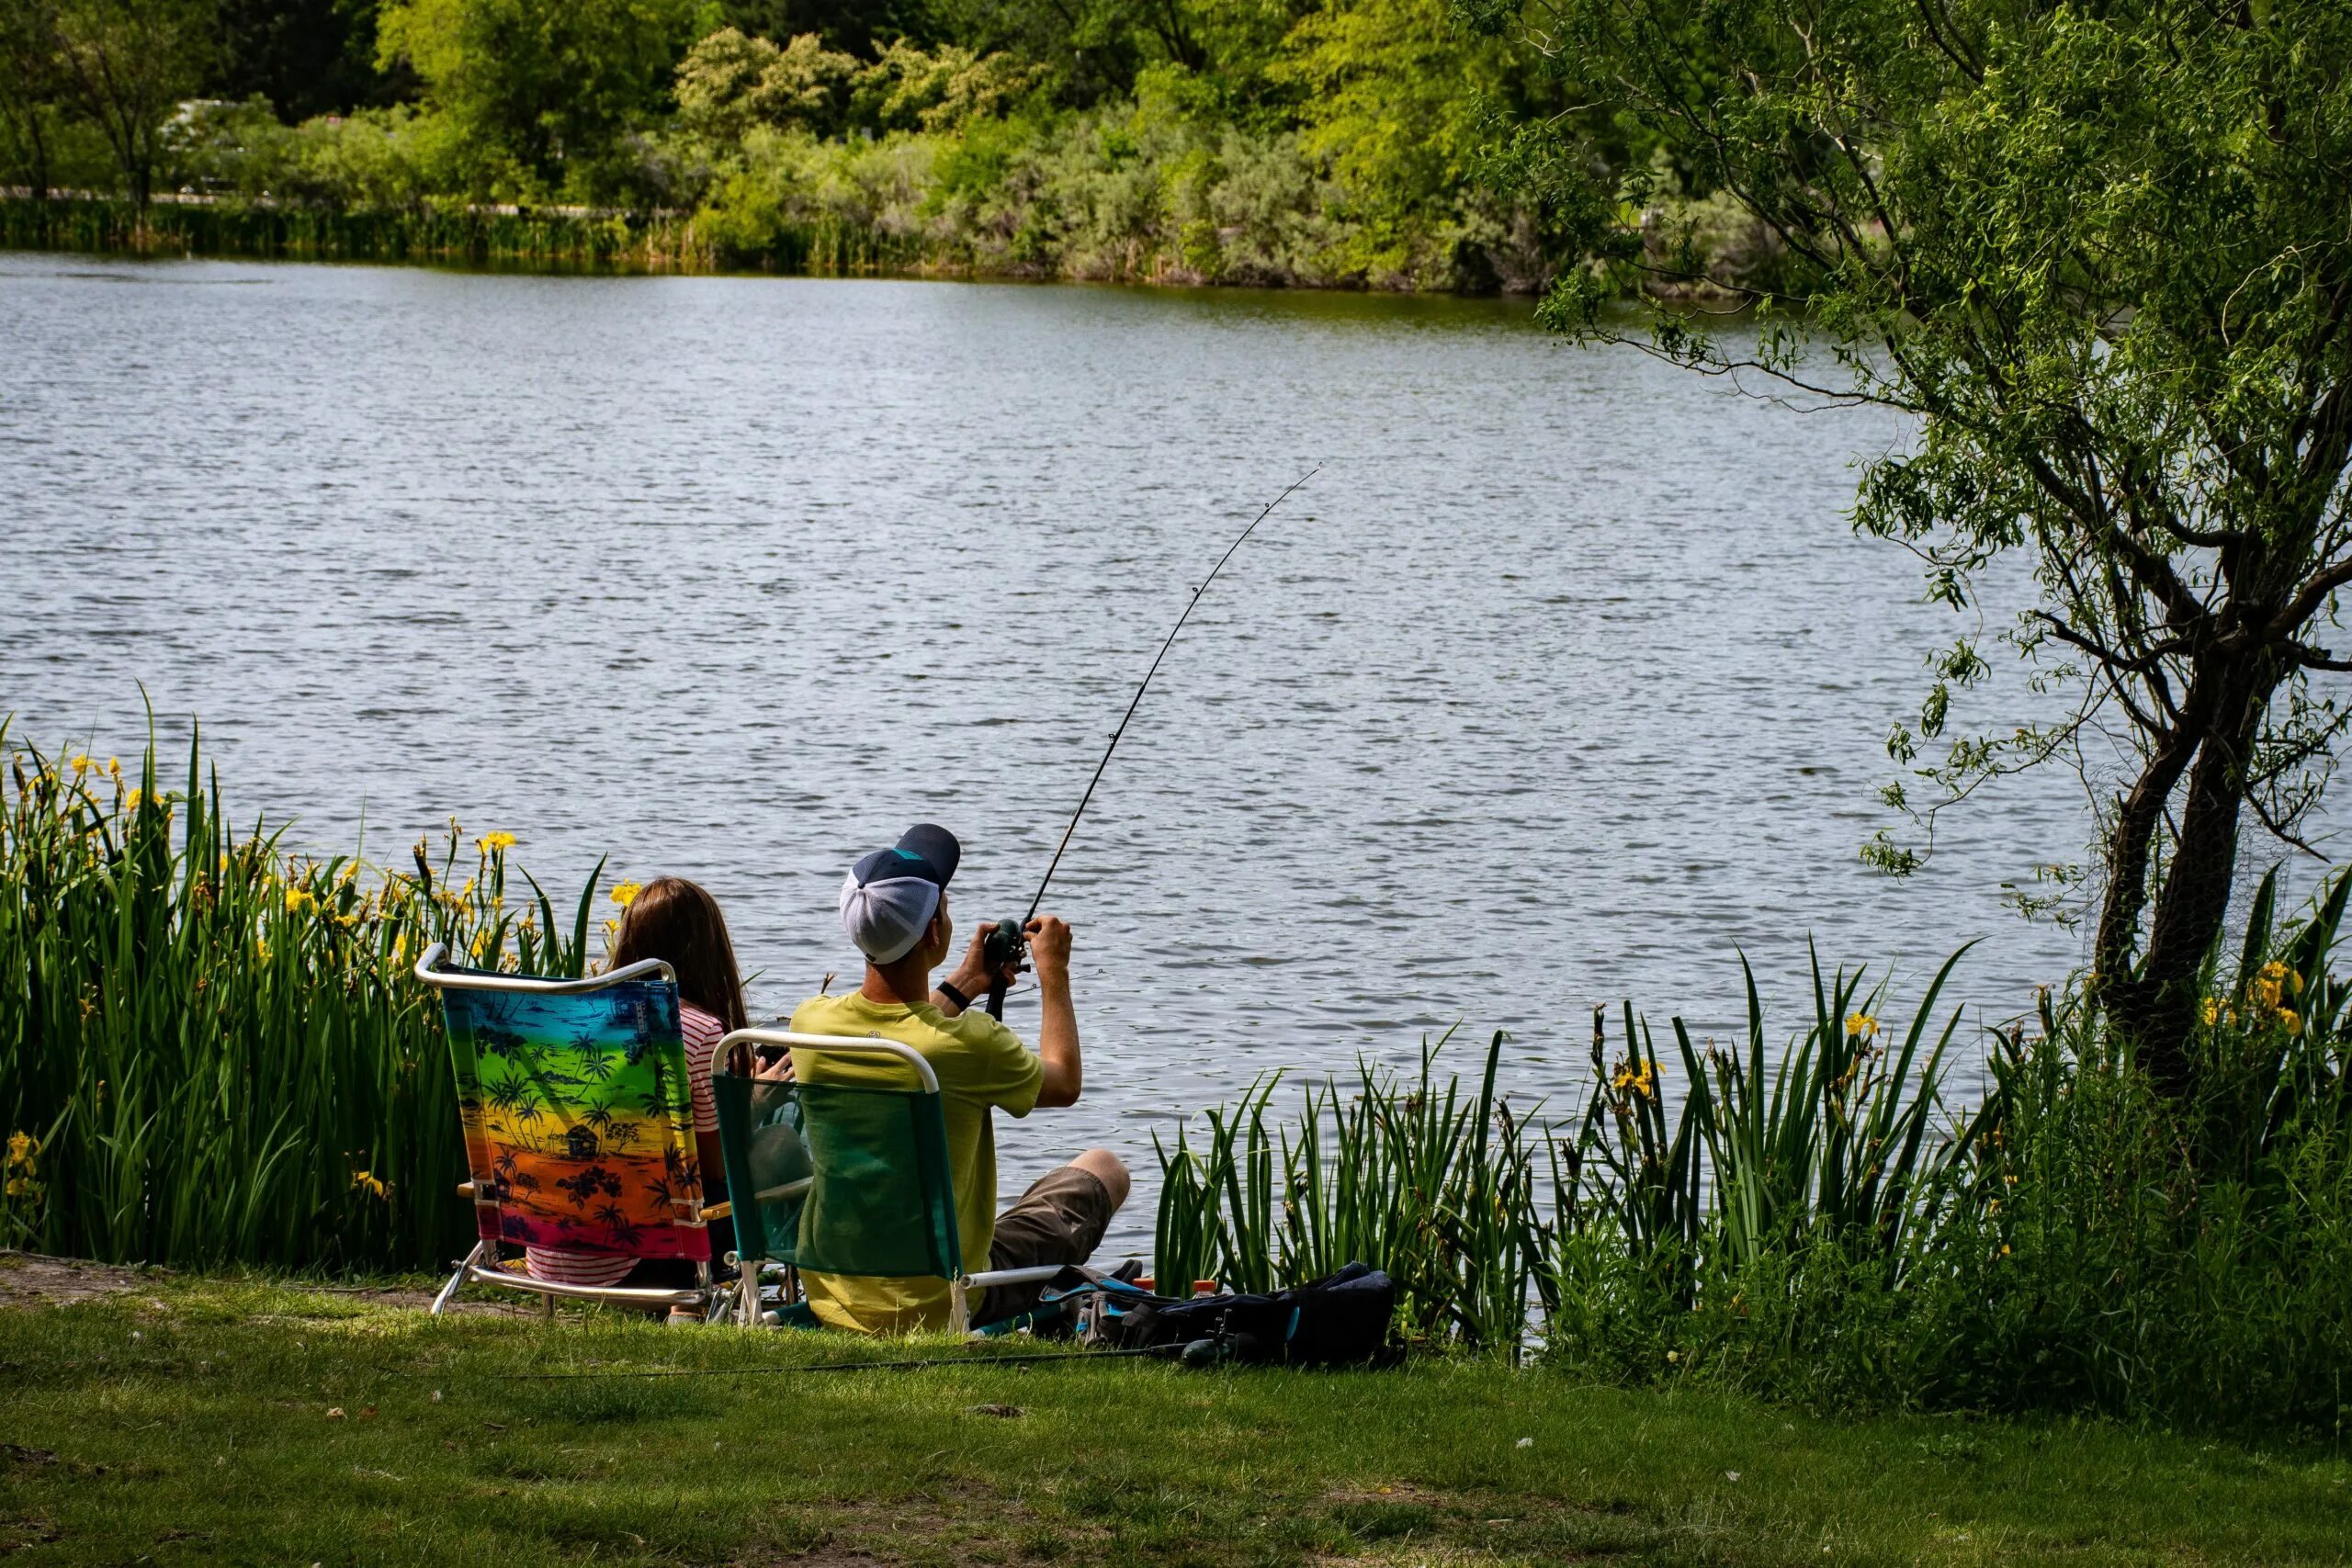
674	920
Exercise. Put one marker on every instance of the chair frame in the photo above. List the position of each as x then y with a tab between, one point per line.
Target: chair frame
960	1284
481	1266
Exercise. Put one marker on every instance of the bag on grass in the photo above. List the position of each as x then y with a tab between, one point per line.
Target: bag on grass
1341	1320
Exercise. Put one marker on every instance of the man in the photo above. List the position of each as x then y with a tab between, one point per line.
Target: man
894	903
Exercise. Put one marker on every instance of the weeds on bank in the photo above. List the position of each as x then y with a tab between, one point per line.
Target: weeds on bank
1828	1230
210	1051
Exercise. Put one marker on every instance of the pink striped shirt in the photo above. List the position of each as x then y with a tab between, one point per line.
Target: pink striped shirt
568	1265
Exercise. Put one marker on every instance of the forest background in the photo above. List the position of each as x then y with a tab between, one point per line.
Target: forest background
1317	142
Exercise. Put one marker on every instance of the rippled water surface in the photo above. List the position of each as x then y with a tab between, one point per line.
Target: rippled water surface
1563	680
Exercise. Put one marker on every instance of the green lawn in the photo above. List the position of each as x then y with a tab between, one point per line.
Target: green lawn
191	1421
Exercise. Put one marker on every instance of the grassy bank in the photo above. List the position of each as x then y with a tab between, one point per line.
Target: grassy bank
212	1052
457	232
189	1421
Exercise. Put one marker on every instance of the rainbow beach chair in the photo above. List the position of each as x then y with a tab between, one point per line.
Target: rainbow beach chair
578	1127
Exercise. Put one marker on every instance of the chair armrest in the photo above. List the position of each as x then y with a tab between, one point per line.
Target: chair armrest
464	1188
717	1210
785	1193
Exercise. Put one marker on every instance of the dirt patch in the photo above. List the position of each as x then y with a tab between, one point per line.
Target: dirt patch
474	1301
1388	1492
34	1279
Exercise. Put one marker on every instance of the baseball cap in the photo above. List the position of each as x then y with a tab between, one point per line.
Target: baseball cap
889	895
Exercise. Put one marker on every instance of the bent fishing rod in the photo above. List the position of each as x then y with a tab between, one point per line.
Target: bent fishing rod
1006	937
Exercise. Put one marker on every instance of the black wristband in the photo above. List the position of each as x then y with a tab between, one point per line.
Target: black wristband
948	988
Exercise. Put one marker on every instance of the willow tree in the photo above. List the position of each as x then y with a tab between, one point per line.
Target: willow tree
2102	254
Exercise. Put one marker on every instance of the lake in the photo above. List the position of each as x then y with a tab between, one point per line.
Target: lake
1563	680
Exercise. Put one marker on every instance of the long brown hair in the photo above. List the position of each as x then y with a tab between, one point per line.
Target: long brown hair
674	920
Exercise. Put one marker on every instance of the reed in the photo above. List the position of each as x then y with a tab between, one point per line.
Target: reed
212	1051
1441	1188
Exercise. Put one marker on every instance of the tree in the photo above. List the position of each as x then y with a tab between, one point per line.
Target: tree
2104	255
307	57
536	87
32	84
127	64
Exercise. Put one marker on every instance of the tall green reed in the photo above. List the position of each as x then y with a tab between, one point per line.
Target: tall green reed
212	1051
1497	1226
1440	1187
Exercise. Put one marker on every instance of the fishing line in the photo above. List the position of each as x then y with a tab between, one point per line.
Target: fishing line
1005	938
1138	700
1162	1352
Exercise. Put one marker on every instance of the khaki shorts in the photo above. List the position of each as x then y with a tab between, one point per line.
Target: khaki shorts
1060	1220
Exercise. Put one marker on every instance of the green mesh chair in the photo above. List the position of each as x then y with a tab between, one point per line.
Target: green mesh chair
841	1178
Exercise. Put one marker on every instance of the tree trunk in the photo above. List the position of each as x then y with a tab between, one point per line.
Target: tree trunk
2154	1002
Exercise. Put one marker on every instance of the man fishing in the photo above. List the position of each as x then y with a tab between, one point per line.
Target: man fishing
894	905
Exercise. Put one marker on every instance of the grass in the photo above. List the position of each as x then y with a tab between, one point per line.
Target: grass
188	1421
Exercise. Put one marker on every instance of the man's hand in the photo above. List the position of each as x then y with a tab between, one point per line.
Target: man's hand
973	976
1049	949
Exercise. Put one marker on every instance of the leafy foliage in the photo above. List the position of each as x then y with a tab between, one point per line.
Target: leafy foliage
1829	1231
2099	254
216	1054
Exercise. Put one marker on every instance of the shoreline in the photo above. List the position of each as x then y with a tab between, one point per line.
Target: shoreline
551	241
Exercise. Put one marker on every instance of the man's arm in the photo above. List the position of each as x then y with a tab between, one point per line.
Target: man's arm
1058	1027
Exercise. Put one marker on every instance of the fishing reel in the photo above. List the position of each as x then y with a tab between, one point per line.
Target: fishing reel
1003	949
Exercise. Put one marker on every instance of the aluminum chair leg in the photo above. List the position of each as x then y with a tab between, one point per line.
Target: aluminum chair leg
450	1290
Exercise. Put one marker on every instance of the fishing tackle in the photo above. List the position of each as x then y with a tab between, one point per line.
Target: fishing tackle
1008	937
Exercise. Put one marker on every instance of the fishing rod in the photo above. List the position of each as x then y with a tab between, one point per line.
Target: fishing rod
1155	1352
1006	936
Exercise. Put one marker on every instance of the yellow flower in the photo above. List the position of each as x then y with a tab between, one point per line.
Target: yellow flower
22	1147
2292	1020
22	1186
624	893
2294	982
1860	1025
132	800
80	764
299	899
491	843
365	1178
2212	1011
114	767
611	926
2004	1249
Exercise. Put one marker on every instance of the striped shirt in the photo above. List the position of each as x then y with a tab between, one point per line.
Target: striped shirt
565	1265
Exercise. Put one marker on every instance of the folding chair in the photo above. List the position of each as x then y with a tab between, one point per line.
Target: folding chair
578	1129
840	1178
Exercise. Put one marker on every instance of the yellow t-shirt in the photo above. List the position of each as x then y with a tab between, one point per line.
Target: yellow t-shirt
980	1064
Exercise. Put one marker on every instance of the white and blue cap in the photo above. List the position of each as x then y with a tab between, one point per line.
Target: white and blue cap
888	897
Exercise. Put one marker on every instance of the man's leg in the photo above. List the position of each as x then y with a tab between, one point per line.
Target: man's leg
1060	1219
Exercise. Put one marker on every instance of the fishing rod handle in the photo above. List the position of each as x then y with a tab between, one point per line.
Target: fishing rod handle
1003	946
